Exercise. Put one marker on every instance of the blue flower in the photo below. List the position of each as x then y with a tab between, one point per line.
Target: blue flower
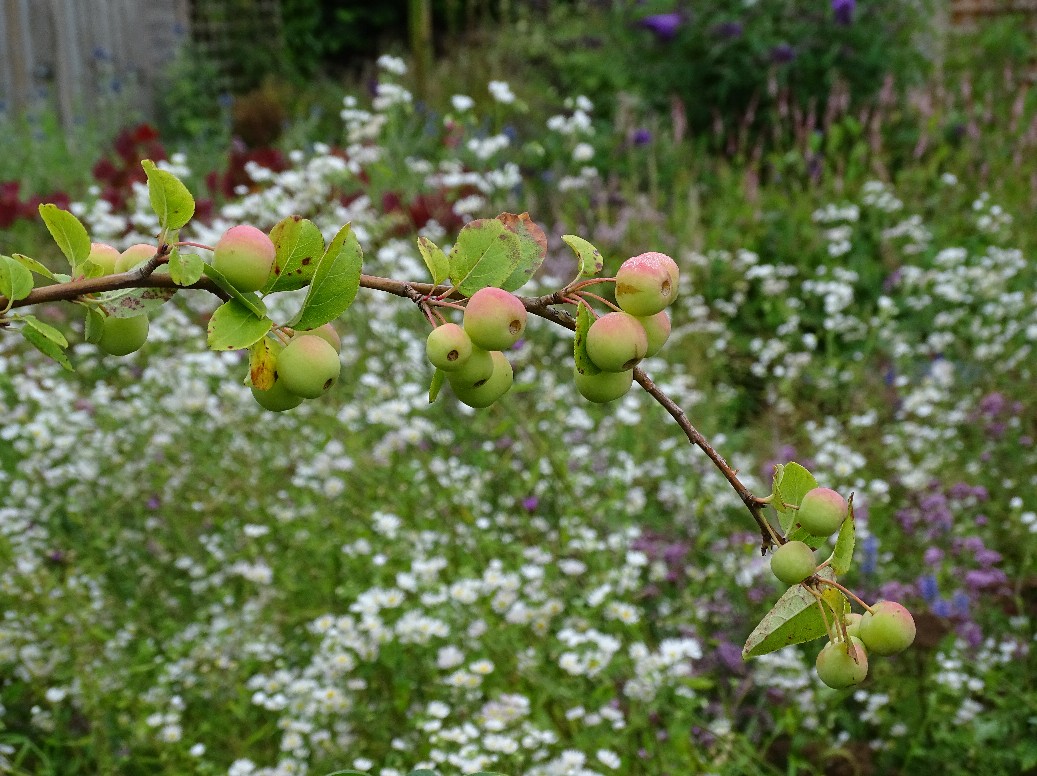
928	587
843	10
663	25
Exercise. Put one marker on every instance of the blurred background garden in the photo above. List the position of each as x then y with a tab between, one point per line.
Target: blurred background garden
190	585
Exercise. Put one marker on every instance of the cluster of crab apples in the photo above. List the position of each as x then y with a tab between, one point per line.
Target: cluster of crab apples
472	355
244	256
617	342
305	363
885	629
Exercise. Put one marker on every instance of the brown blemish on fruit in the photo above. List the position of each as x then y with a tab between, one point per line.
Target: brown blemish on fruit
515	326
481	383
665	288
329	382
453	355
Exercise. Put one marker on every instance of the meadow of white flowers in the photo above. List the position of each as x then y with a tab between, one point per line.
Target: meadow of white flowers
192	585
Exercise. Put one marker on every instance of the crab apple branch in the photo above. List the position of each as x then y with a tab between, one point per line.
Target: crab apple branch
144	276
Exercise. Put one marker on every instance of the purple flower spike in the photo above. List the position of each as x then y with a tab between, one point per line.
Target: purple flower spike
843	10
782	54
663	25
640	137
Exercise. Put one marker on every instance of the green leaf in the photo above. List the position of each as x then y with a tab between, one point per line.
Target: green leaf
48	331
262	365
348	773
67	231
170	199
35	266
90	270
435	260
185	268
251	301
47	346
842	557
584	319
485	254
334	284
130	302
794	619
532	247
299	245
795	482
234	326
437	385
94	328
587	255
15	280
779	472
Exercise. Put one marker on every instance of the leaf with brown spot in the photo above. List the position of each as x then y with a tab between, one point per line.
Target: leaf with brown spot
130	302
335	282
262	365
296	241
532	245
589	257
485	254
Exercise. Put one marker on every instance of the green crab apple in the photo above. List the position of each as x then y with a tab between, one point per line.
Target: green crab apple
657	327
888	628
604	386
821	511
647	284
134	255
104	256
244	255
840	665
492	388
308	366
122	336
616	342
494	319
475	371
793	562
448	347
328	333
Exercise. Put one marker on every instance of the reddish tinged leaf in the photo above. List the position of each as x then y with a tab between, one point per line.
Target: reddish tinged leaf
532	244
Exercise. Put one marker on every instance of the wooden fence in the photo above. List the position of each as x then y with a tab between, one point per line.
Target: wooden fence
72	53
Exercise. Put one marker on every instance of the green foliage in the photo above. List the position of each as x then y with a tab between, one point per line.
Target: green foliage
794	619
191	106
335	282
486	254
170	199
588	257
